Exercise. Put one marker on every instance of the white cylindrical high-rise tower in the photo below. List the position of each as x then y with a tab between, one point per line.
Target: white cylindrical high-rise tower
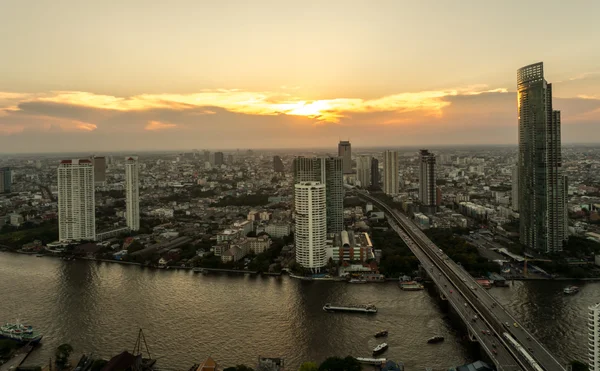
311	224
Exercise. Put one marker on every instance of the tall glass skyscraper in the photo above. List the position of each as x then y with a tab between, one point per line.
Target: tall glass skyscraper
327	171
427	191
542	201
5	179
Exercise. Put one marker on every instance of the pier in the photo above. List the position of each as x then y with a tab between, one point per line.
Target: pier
17	359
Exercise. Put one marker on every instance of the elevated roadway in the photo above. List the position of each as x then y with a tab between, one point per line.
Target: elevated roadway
508	335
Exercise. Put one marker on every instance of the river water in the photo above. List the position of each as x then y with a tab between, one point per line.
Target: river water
99	307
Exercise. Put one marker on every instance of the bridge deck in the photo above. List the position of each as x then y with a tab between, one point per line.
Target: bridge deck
478	300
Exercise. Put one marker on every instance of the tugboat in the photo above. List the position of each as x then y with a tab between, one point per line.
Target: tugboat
571	290
370	308
435	339
380	348
381	334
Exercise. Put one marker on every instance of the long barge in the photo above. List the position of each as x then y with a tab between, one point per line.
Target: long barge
369	309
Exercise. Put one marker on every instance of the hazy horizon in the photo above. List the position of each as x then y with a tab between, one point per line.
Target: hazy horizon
97	76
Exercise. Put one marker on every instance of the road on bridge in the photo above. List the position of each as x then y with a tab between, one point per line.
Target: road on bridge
497	316
486	336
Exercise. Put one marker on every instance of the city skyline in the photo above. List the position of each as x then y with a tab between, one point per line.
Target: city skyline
266	89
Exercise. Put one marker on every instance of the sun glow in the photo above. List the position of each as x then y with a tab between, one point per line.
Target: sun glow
426	103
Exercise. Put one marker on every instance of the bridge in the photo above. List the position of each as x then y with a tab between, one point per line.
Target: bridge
508	344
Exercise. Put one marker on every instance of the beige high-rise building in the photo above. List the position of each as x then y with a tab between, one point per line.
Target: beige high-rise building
345	152
99	170
391	177
76	203
327	171
363	170
310	214
132	192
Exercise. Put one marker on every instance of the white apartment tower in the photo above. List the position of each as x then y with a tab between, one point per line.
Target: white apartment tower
311	224
76	204
594	337
391	177
132	192
363	170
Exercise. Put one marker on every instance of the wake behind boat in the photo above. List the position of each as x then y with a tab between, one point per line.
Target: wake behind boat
370	308
21	333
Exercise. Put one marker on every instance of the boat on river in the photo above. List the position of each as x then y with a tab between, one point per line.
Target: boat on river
435	339
380	348
23	334
370	308
382	333
571	290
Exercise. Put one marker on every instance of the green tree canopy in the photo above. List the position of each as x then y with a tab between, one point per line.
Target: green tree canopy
62	354
239	368
340	364
579	366
309	366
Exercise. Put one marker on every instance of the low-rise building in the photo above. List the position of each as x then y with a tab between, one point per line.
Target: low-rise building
278	230
232	255
16	220
258	245
228	235
349	246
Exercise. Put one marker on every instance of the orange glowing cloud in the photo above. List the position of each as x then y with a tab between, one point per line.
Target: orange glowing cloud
157	126
426	103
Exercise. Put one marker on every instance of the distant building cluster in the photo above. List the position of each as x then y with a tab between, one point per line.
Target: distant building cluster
76	196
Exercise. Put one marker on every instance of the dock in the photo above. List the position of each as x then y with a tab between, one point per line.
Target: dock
372	361
220	270
17	359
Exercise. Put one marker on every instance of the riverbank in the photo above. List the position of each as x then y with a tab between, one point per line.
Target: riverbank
291	275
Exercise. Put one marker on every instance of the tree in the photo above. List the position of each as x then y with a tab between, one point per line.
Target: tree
579	366
98	364
61	355
340	364
308	366
135	246
6	347
239	368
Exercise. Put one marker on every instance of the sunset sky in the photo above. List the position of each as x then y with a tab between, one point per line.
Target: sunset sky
190	74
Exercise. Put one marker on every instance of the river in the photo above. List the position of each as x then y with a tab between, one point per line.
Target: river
99	307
